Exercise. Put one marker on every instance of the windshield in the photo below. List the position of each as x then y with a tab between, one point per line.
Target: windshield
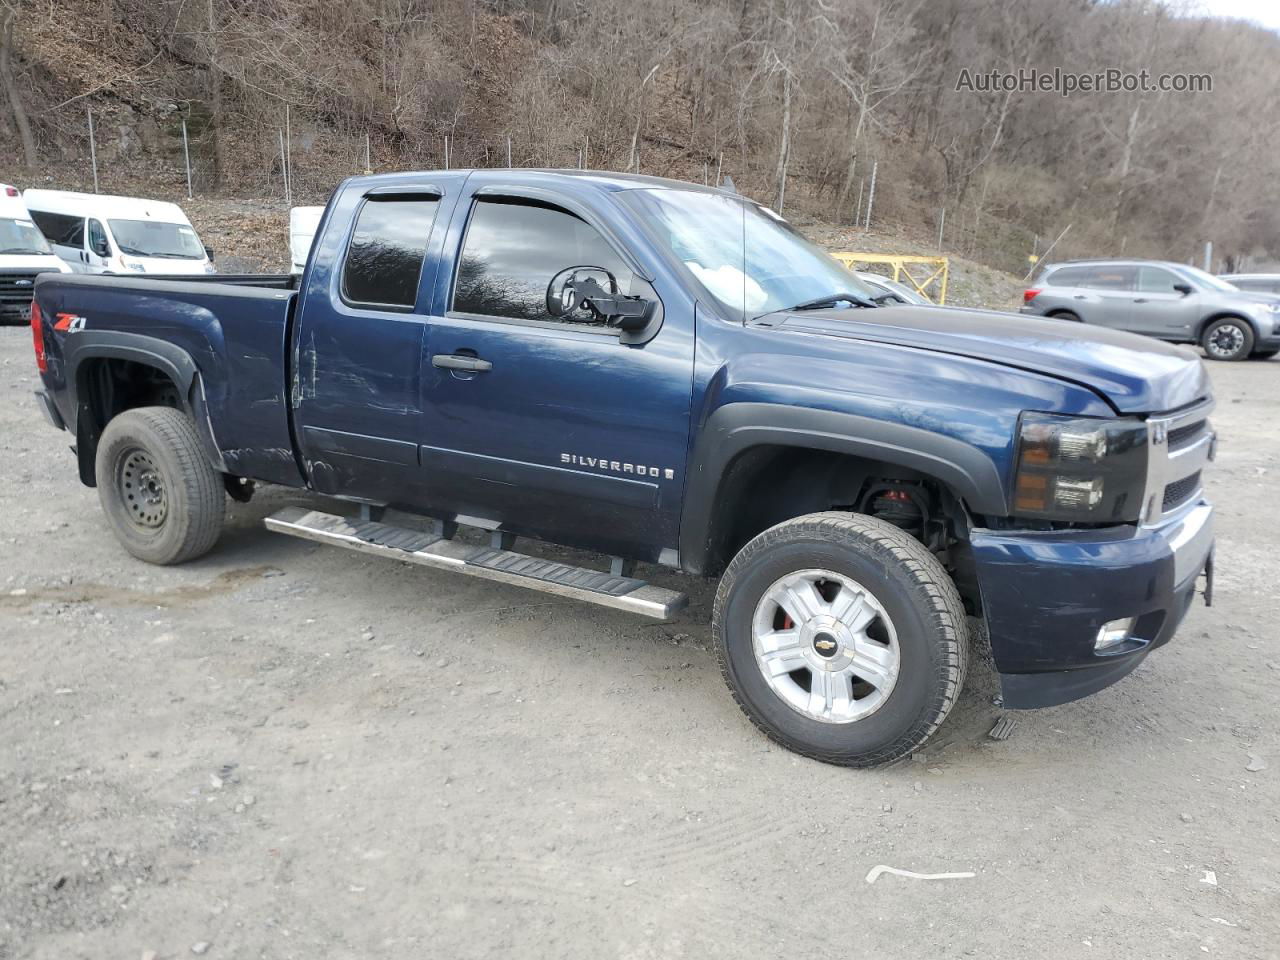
709	233
150	238
1208	279
21	236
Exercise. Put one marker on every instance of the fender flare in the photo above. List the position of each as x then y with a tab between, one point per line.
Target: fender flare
736	428
1227	315
173	361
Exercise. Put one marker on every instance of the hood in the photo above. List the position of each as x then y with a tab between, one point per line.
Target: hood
1135	374
27	262
167	266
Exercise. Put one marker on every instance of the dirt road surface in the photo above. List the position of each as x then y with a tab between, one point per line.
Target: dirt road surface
287	750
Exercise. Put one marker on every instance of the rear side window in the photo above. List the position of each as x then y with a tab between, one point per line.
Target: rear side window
60	228
1112	278
384	259
1157	280
1068	277
512	251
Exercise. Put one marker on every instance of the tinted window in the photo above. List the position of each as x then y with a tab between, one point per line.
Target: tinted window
1112	278
386	251
1156	280
60	228
1069	277
512	251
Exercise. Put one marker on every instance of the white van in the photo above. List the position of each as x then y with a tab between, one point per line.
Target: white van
103	234
303	223
24	252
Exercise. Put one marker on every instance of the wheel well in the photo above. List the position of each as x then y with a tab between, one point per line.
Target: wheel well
1062	312
766	485
105	388
1224	315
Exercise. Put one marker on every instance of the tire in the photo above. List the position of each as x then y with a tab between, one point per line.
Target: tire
1065	315
1264	354
163	499
1227	339
919	615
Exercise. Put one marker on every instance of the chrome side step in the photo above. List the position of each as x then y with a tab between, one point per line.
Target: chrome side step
433	550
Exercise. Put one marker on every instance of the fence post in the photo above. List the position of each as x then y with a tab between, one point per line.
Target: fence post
719	167
586	152
446	152
284	169
1208	253
857	217
93	151
871	194
705	173
288	154
942	221
508	152
368	161
186	155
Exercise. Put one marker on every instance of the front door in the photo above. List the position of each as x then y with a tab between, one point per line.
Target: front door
562	431
357	387
97	248
1160	310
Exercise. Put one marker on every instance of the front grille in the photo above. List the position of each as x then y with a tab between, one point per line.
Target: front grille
16	291
1180	491
1184	436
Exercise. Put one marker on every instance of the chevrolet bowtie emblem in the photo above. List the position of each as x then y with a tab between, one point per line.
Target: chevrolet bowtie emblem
825	644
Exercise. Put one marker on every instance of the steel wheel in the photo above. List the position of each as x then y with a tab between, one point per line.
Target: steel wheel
141	488
825	646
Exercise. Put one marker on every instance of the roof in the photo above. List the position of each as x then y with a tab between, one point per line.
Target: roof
1122	261
599	179
103	205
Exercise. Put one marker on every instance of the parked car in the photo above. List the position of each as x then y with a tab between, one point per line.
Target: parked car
887	292
665	373
24	253
1171	301
1254	282
303	223
96	233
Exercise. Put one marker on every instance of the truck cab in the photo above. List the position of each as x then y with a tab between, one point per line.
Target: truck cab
666	374
24	253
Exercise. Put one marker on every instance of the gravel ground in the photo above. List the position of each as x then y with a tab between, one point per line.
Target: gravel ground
287	750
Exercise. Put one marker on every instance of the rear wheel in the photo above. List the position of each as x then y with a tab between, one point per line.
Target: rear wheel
841	637
163	499
1227	339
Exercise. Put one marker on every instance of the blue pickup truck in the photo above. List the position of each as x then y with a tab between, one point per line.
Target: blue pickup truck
662	373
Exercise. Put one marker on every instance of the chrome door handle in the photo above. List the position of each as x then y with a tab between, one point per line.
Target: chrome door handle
454	361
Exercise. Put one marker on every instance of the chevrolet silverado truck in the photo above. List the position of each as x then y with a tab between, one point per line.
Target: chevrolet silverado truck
664	374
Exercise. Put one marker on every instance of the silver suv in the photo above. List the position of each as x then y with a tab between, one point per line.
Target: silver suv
1171	301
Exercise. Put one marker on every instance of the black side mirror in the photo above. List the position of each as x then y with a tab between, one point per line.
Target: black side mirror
102	248
578	293
208	252
1183	288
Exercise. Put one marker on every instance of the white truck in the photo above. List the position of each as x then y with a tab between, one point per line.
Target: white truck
24	253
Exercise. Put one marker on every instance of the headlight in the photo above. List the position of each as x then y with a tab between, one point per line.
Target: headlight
1273	307
1080	469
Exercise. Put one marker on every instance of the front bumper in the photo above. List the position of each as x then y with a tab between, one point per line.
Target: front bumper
1046	594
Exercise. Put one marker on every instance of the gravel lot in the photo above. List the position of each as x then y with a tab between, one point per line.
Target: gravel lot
287	750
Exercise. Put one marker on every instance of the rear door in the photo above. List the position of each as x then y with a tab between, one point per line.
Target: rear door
357	387
567	433
1110	289
1161	311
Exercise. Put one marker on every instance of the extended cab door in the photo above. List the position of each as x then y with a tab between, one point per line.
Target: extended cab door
560	431
356	368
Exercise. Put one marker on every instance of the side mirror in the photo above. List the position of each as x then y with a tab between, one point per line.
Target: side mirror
591	293
208	252
102	248
1183	288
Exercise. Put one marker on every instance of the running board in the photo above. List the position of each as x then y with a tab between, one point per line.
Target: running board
431	549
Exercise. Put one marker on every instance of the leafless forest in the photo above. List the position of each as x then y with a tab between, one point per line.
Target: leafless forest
798	101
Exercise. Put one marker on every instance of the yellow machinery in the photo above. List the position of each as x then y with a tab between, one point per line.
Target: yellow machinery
926	275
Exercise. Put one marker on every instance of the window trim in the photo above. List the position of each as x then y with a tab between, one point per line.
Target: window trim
383	195
549	198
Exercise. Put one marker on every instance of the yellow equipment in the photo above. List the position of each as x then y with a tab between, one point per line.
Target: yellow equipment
929	278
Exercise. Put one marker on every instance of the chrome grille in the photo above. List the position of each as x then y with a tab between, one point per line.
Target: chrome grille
1180	437
1180	491
1179	446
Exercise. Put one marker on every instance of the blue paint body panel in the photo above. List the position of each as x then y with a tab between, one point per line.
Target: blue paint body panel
579	437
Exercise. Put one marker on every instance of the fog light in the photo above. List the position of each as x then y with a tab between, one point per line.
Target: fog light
1113	633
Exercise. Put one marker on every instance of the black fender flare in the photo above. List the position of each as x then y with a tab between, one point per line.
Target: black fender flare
173	361
736	428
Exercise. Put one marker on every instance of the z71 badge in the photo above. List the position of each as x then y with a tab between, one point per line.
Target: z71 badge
618	466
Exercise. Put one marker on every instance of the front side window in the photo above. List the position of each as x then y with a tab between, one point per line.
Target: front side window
1112	278
384	259
21	236
1156	280
98	239
512	251
60	228
151	238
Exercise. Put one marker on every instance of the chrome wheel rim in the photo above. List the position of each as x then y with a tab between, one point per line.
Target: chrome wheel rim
1226	341
141	487
825	646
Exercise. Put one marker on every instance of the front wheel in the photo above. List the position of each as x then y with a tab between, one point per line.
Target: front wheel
162	497
841	637
1227	339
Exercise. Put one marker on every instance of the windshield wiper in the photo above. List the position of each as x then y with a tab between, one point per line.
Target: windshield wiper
831	299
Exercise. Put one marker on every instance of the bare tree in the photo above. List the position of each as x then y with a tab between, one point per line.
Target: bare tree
10	82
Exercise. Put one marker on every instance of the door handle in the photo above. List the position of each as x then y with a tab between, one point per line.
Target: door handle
1079	296
1140	300
453	361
